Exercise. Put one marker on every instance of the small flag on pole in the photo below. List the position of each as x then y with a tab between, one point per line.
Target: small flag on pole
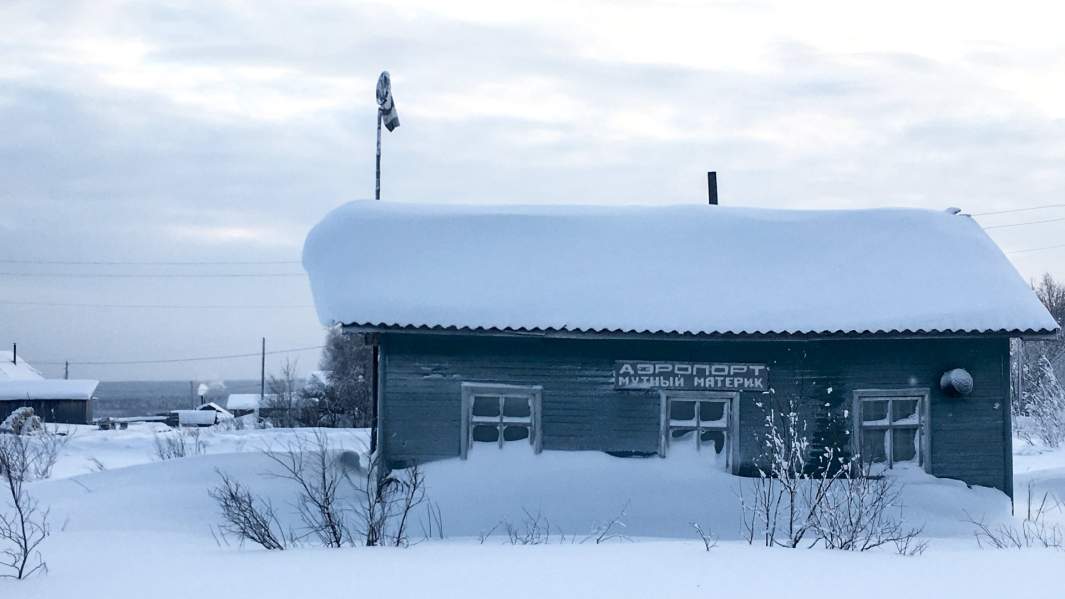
384	100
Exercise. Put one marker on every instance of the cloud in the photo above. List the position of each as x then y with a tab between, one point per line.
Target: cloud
200	130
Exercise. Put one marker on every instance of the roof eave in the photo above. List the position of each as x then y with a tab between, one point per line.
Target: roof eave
369	328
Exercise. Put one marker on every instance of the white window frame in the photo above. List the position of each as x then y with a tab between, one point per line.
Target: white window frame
861	396
471	390
731	428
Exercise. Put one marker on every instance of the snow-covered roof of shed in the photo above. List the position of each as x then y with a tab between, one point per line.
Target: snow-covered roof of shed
19	380
47	389
17	370
693	269
243	401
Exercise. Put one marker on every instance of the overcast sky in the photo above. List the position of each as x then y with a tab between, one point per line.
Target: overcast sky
222	131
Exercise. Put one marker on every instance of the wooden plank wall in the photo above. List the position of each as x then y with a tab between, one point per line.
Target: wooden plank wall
61	411
421	414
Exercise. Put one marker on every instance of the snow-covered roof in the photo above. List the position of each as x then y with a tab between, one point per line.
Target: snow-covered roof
243	401
693	269
19	380
212	406
47	389
17	370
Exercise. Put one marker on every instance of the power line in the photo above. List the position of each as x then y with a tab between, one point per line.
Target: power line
149	262
176	360
1046	247
1031	222
81	275
1012	210
162	306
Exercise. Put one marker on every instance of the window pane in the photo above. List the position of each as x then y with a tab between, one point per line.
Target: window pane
516	407
904	444
486	434
681	435
713	441
682	411
712	412
486	406
874	411
515	433
873	449
904	411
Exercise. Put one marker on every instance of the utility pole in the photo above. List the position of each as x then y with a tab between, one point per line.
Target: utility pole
14	354
262	374
66	370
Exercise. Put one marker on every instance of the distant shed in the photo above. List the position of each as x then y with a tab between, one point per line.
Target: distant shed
242	404
54	400
642	331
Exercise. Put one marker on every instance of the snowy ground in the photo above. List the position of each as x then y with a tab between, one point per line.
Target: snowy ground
129	525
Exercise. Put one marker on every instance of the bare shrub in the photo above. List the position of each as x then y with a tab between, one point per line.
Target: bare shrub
24	524
708	538
313	467
433	523
610	530
371	507
385	504
246	517
1034	530
179	443
533	529
47	444
781	505
858	514
827	499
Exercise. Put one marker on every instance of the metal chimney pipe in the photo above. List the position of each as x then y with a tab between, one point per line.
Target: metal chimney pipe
711	187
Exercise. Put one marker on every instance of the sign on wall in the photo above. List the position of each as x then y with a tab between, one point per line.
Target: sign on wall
690	376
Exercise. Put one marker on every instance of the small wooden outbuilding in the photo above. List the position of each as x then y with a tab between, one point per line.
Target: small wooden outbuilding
54	400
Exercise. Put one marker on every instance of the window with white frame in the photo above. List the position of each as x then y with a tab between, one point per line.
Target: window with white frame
891	427
698	423
498	416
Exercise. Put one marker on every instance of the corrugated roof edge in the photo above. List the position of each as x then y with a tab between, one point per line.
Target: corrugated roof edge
384	327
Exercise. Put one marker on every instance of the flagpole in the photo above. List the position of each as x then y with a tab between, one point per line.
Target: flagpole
377	182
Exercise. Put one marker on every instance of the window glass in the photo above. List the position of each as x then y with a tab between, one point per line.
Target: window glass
874	412
712	441
873	448
681	435
516	407
682	411
486	406
904	444
486	433
515	433
712	412
904	411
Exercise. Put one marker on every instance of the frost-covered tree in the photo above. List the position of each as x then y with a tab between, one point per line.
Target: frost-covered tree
1052	294
347	362
1041	413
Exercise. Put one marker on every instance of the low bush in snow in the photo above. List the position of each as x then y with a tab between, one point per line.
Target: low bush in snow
339	500
807	497
179	443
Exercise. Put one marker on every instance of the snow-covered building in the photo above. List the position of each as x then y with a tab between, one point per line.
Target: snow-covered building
242	404
643	331
54	400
